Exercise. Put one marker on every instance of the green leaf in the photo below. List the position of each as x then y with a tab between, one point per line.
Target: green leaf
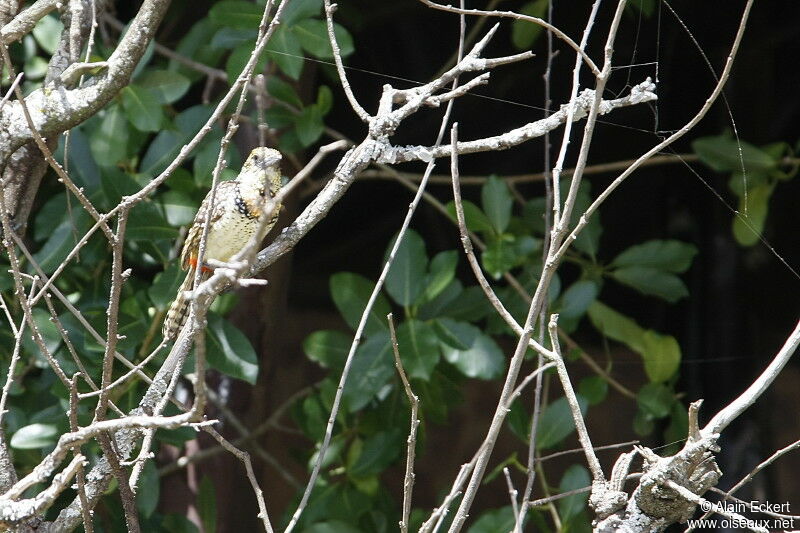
165	286
109	141
556	422
283	91
179	208
167	144
298	10
83	167
748	227
313	37
196	44
661	354
470	305
500	520
166	86
34	436
723	154
441	272
377	453
207	505
577	298
229	351
668	255
616	326
524	33
652	282
285	50
483	359
47	33
373	365
309	125
419	348
328	348
62	240
148	490
236	14
146	223
324	99
177	523
239	58
643	423
500	255
331	526
406	278
142	108
228	38
475	219
588	240
351	293
594	389
496	201
455	334
575	477
655	400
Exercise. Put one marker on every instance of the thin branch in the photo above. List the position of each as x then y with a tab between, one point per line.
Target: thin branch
337	57
754	391
411	443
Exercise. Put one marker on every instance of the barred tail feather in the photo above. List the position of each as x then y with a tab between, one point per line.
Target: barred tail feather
179	309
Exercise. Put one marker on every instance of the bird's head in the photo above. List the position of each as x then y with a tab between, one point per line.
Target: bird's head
264	165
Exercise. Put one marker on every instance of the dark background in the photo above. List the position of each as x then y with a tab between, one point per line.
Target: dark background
743	302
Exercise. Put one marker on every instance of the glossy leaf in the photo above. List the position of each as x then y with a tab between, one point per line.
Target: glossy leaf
497	202
725	154
525	33
313	37
500	520
207	504
556	422
285	50
575	477
655	400
653	282
454	334
236	14
377	453
109	141
297	10
148	490
441	272
483	359
475	219
165	286
142	108
34	436
166	86
351	293
229	351
661	354
667	255
419	348
617	326
577	298
328	348
405	281
372	367
749	225
594	389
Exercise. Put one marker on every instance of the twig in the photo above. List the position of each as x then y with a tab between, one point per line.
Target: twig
413	400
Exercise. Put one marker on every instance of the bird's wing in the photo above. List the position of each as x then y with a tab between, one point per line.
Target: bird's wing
191	245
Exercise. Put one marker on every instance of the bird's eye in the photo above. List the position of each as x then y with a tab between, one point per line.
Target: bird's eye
257	158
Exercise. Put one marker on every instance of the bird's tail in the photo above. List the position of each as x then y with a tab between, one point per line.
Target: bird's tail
179	309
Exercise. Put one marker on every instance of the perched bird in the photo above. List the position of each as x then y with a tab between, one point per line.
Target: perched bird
237	215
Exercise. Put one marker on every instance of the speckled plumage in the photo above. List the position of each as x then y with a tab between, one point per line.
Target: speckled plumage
236	216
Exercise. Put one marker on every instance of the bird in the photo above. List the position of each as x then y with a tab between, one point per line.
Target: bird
237	214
